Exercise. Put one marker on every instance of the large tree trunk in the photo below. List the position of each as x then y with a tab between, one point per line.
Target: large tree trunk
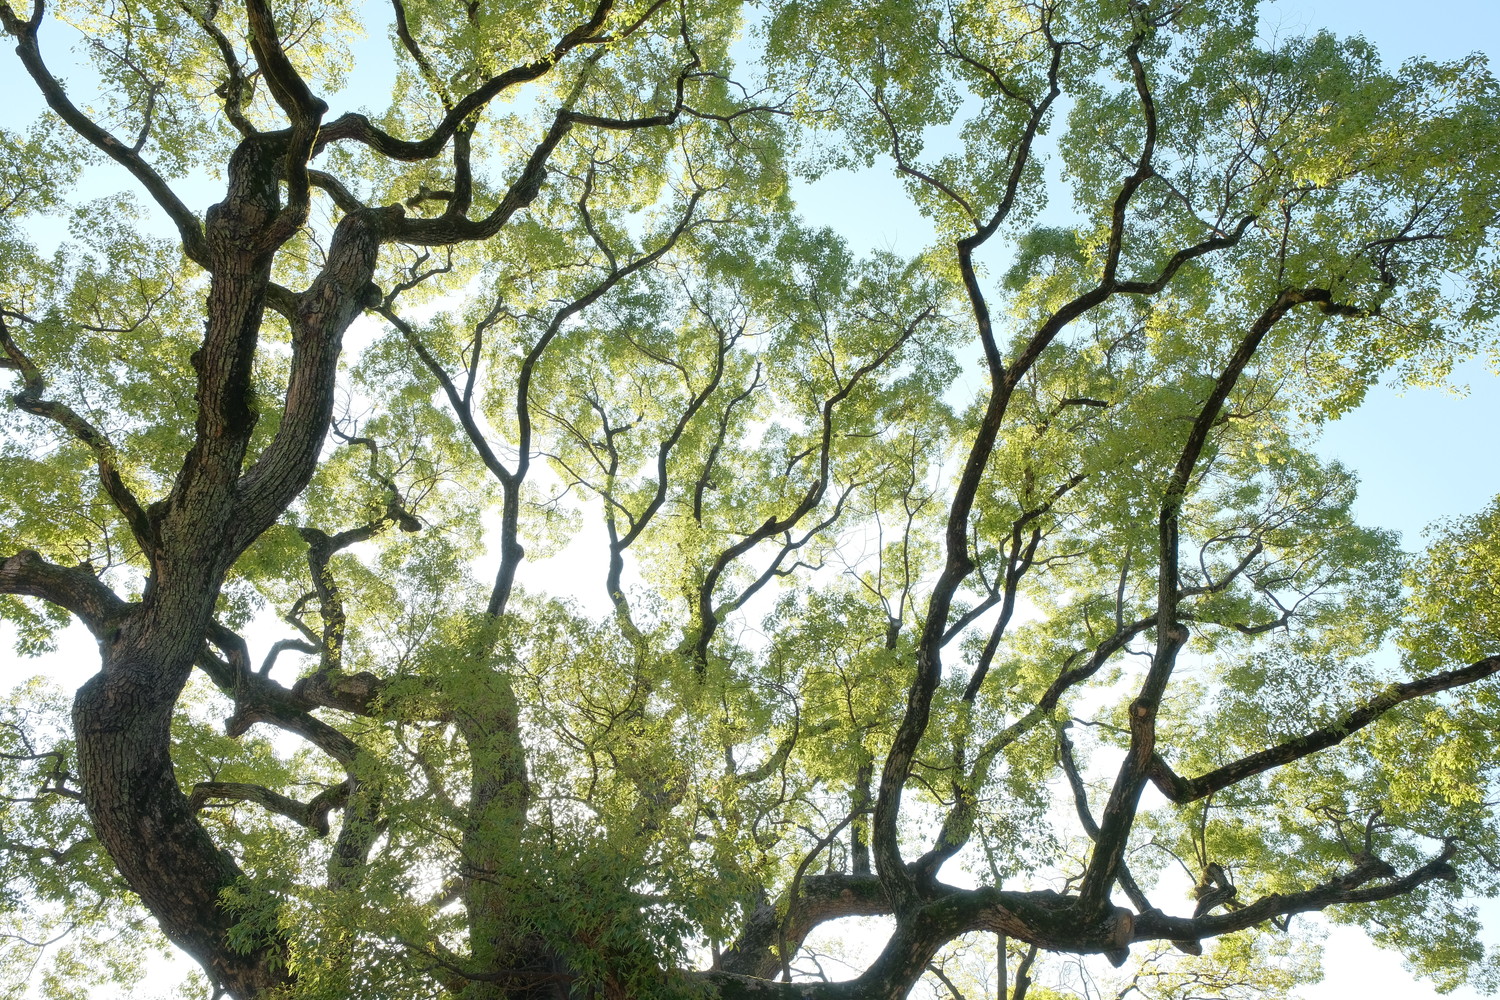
122	718
216	508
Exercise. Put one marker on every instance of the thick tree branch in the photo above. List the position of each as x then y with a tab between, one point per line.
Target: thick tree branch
74	589
259	698
341	195
818	899
1351	887
323	313
1043	919
1086	816
304	110
1180	789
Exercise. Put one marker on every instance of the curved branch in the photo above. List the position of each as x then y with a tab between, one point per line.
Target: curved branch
818	899
30	399
312	814
1043	919
358	128
341	195
189	229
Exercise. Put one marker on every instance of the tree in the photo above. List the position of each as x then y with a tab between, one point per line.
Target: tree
986	590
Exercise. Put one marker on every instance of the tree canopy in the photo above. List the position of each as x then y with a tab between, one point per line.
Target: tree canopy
527	560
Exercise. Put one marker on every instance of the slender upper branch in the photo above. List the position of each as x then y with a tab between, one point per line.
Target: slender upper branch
409	42
1144	169
236	90
773	526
